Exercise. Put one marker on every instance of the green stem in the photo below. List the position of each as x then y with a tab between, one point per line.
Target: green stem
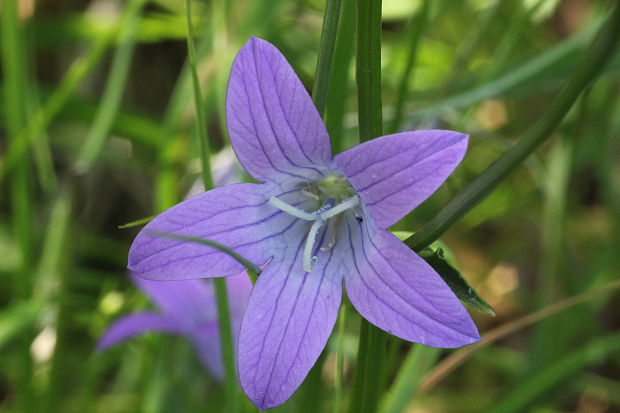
368	69
326	54
339	360
417	26
15	118
226	341
339	77
546	346
418	361
20	188
169	135
54	268
368	387
221	294
597	56
201	123
372	341
221	54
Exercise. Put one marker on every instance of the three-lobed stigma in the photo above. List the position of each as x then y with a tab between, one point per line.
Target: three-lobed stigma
335	196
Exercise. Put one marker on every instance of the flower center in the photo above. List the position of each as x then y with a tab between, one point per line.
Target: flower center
335	196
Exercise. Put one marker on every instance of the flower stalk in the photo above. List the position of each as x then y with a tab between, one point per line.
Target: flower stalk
372	341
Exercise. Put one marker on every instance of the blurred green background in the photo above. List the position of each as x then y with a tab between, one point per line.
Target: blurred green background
97	130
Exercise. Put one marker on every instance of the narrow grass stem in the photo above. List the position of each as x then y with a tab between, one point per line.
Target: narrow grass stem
55	271
326	54
592	65
339	82
415	365
20	189
201	123
226	341
338	383
169	137
368	69
372	341
418	23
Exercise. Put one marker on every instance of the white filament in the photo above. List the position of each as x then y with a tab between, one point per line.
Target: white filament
341	207
296	212
332	239
310	240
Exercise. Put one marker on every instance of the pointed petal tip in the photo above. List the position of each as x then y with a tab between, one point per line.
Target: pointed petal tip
101	346
254	41
261	403
467	337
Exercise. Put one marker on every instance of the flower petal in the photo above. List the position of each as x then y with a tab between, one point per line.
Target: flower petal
189	302
239	289
206	337
396	290
395	173
274	127
206	340
237	216
134	324
289	318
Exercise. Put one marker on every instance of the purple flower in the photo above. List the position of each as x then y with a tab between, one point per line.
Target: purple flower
187	308
315	222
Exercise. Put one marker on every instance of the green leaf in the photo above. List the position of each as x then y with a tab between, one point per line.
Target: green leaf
439	256
455	280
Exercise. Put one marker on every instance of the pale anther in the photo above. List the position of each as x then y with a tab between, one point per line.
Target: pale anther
307	193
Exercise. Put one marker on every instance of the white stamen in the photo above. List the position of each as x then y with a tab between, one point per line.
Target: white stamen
332	237
296	212
319	218
341	207
308	259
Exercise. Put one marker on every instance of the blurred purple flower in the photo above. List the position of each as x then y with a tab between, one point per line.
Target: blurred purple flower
318	221
187	308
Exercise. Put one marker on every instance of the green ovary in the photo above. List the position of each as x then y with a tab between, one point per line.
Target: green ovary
336	187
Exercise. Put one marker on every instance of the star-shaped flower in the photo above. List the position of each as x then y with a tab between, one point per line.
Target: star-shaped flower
187	308
315	221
